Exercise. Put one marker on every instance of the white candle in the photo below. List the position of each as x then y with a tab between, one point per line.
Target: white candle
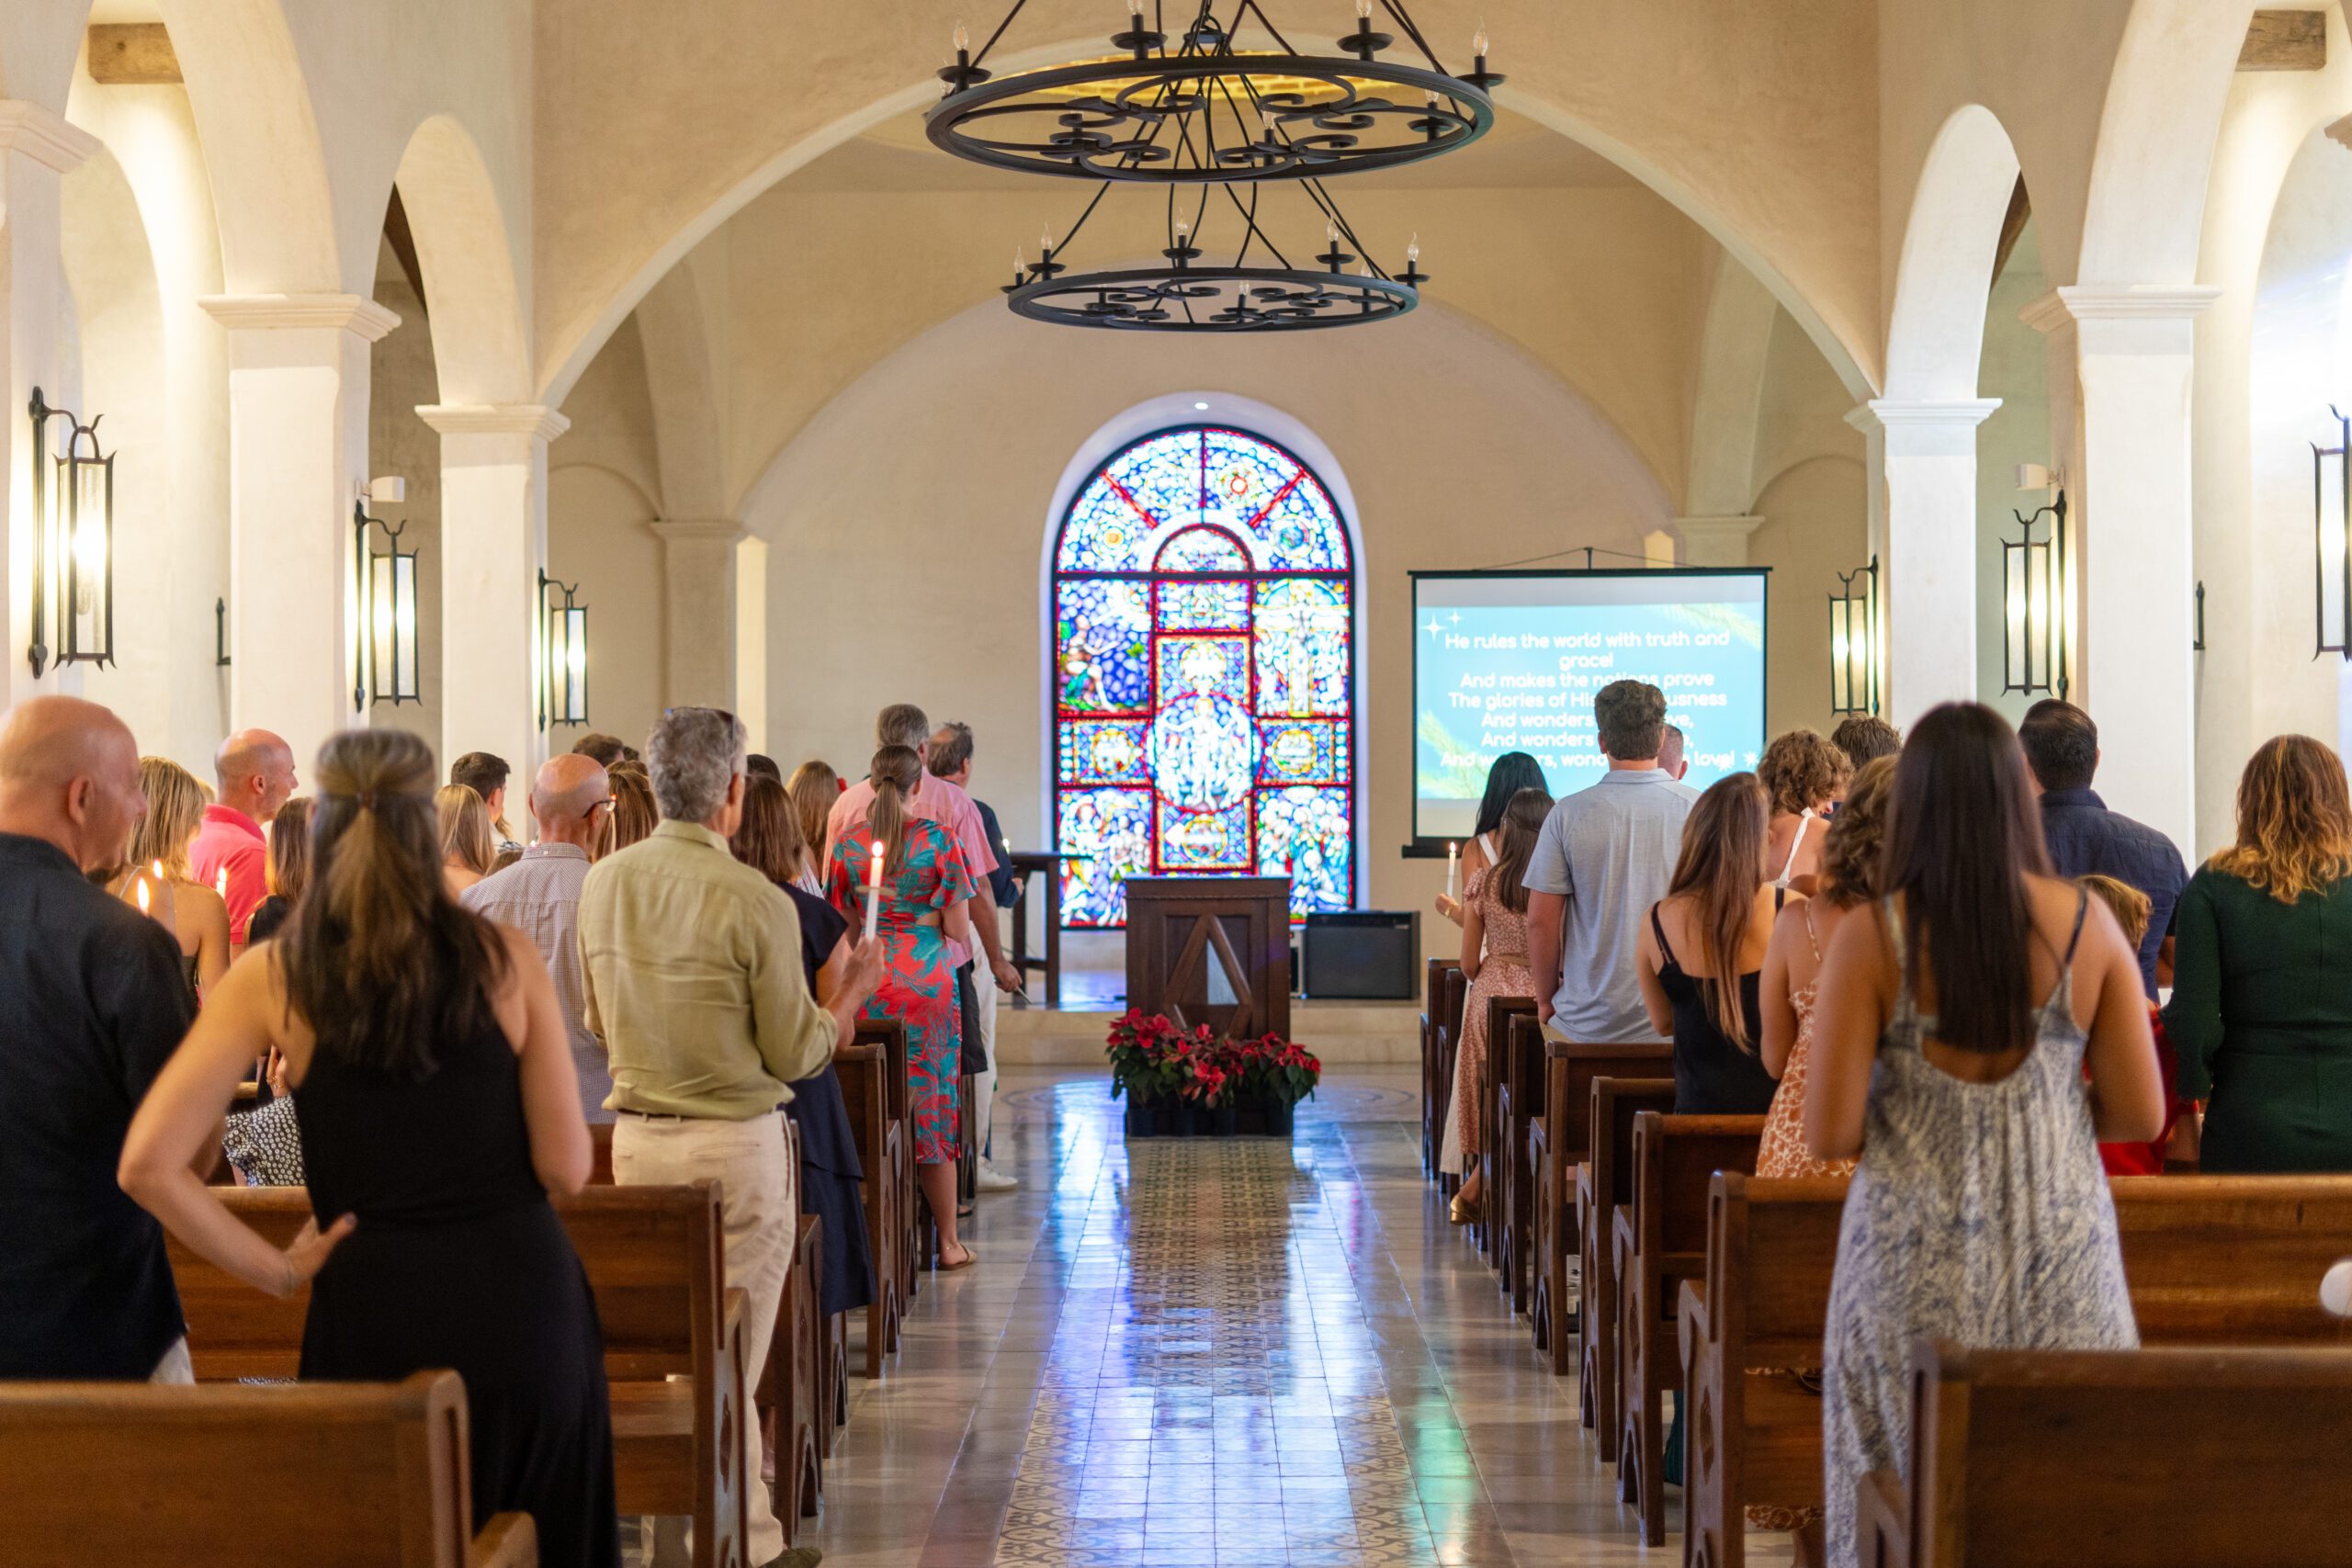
873	889
1454	871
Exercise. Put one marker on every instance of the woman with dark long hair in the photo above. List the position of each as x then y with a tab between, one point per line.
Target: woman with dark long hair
1494	957
1701	956
1512	774
2261	1009
919	909
1955	1018
433	1083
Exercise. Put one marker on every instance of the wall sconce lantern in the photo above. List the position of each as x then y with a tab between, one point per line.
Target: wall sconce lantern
386	669
2331	505
72	543
220	659
1853	641
2033	593
564	685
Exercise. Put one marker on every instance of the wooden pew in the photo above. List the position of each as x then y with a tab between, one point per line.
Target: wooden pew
1604	1183
1659	1240
1448	1027
2210	1260
863	1069
1559	1141
655	1257
2126	1458
1434	1089
1515	1056
787	1393
361	1476
1492	1229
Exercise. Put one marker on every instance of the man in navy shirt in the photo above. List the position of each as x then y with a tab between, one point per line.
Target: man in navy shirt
2087	840
93	1002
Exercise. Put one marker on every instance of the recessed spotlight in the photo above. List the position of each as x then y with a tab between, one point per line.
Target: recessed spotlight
1201	408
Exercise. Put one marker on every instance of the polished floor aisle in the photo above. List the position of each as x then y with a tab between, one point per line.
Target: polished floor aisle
1184	1354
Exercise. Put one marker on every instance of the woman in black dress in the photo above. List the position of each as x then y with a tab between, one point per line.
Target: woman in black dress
438	1108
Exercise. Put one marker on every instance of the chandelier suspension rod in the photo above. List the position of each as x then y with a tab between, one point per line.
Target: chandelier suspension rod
1251	7
1404	18
1009	16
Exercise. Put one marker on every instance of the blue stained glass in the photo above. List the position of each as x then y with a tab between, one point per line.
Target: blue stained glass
1106	751
1103	647
1303	834
1204	840
1204	723
1217	605
1108	834
1298	751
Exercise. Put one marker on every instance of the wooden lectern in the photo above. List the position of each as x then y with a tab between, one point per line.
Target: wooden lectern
1211	950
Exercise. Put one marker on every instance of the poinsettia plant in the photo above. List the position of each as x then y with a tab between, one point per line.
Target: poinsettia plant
1154	1059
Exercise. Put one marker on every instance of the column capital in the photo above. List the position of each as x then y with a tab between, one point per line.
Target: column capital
494	419
2119	303
708	531
1886	413
364	319
45	136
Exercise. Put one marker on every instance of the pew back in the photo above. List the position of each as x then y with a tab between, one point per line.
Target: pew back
2231	1259
2217	1457
366	1475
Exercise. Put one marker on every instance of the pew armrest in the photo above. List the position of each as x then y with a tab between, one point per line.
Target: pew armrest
509	1540
1881	1521
1556	1050
854	1053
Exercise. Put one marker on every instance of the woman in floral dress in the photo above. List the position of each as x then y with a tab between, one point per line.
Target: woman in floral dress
920	909
1494	956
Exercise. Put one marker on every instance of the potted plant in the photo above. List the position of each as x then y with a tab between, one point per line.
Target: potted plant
1181	1083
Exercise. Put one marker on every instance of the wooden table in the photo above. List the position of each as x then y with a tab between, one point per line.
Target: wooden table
1026	863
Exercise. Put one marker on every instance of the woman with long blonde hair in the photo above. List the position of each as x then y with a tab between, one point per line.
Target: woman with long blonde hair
2261	1009
814	788
918	910
429	1064
1494	957
1701	955
634	815
193	913
468	846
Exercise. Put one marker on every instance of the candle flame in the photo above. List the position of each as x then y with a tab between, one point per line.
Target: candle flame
221	885
157	867
143	894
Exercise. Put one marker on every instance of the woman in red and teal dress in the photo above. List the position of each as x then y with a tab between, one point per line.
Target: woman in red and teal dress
919	909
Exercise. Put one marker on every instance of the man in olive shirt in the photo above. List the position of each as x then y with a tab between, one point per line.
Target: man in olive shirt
695	983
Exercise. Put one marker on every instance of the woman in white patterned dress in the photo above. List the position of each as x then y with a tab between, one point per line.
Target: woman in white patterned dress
1979	1211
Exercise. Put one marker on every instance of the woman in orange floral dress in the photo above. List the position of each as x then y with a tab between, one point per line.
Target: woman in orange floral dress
1494	956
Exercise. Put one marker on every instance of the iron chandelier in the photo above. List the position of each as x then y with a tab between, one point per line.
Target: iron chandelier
1189	107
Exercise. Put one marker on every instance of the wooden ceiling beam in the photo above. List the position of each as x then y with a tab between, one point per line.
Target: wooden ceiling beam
2285	40
132	54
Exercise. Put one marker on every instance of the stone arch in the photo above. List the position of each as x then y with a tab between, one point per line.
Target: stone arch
465	252
1944	274
683	385
1734	357
252	103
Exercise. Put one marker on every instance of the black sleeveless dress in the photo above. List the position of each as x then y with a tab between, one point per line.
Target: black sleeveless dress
1712	1075
459	1261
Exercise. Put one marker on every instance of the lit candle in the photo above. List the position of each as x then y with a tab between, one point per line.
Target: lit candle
1454	871
143	894
873	887
221	885
157	867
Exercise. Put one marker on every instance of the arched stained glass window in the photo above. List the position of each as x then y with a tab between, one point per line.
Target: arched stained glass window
1204	675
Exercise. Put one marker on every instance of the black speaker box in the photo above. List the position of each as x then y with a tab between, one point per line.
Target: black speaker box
1369	955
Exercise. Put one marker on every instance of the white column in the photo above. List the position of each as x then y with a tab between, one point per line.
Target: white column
698	606
2133	562
298	459
1716	541
37	149
494	544
752	640
1922	460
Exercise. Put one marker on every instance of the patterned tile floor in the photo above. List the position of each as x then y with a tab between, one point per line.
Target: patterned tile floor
1185	1355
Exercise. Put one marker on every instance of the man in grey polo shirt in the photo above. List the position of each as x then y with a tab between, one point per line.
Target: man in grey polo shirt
1605	856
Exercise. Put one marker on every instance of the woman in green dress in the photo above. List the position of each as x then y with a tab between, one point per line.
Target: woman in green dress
2261	1010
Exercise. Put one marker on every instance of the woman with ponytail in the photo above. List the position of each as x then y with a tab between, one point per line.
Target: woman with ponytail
919	910
433	1083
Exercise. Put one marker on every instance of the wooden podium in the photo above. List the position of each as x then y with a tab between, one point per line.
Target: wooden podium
1211	950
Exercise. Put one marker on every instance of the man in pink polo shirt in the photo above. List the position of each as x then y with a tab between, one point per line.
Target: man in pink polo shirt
255	773
936	800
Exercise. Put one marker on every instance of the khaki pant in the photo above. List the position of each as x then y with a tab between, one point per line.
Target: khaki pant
760	1210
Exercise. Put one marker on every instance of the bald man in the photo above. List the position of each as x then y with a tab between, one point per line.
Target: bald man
254	770
539	895
93	1002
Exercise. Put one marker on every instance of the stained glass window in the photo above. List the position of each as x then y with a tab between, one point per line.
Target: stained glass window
1204	675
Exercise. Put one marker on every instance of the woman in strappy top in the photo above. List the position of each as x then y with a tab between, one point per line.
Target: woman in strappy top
1701	954
1494	957
1805	774
1955	1017
1849	856
1510	774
